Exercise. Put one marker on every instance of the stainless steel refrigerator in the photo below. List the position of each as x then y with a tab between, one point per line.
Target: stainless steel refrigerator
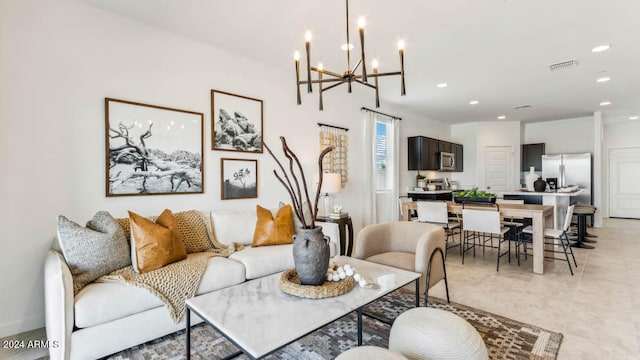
571	169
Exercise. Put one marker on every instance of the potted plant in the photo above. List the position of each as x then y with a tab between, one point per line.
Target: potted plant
310	247
420	180
474	195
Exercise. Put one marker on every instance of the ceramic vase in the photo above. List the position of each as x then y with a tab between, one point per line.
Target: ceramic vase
540	185
311	255
531	178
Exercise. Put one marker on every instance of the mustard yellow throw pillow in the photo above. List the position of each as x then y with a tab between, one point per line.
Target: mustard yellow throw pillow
270	231
154	245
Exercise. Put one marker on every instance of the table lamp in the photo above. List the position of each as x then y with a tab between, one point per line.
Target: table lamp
331	185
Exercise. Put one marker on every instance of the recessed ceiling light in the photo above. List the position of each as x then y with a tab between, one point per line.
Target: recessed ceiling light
501	117
442	85
634	117
474	102
605	103
601	48
603	79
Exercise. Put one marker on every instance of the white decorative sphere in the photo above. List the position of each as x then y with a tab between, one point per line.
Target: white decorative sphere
349	272
335	277
342	275
362	283
357	277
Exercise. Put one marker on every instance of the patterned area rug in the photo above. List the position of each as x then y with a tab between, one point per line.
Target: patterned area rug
505	338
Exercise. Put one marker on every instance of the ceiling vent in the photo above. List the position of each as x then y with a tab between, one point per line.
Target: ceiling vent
522	107
563	65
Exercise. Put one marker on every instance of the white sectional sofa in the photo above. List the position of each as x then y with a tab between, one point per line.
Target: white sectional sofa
104	318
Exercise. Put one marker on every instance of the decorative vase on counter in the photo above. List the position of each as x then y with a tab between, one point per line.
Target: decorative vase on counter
531	178
540	185
311	255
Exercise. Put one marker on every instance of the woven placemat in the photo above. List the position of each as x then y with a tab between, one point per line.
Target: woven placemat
290	284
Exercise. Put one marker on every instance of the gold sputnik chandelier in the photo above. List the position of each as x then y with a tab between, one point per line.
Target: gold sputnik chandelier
351	74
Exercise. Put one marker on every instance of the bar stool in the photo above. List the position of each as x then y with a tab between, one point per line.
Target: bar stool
582	212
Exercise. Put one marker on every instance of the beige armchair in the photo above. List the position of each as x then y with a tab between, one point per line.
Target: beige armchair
408	245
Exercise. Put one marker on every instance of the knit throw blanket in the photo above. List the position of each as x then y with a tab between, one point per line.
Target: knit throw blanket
173	284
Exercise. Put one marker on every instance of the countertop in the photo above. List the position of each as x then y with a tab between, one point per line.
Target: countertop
430	192
545	193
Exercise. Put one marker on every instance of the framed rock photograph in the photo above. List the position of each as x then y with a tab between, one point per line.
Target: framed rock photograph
152	150
238	179
236	122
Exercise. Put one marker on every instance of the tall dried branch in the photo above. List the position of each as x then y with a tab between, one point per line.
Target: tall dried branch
296	192
297	207
320	171
291	156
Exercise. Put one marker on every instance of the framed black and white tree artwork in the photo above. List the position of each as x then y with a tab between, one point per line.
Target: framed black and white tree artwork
238	179
152	150
236	122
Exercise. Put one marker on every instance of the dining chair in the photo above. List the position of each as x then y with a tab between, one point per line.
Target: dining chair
401	201
560	235
514	223
435	212
485	221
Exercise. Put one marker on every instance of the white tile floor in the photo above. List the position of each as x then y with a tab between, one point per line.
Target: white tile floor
597	310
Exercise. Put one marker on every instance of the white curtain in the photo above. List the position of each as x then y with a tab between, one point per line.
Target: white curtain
369	171
380	205
395	155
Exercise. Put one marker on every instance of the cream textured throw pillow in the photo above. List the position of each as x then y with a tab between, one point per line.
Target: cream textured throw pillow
193	230
93	251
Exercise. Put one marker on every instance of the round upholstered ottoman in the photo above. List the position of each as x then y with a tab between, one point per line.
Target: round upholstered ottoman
429	333
369	353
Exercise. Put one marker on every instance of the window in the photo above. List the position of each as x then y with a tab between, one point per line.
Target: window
383	156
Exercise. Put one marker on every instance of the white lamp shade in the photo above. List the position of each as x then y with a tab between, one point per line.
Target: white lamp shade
331	183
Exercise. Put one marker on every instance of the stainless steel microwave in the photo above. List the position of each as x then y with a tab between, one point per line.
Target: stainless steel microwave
447	161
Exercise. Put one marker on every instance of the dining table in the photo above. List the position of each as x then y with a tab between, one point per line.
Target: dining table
541	216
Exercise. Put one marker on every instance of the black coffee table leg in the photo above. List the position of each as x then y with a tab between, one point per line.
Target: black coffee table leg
188	334
359	326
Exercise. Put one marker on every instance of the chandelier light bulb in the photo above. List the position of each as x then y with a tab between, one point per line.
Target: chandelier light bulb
401	45
296	55
374	64
320	67
307	36
362	22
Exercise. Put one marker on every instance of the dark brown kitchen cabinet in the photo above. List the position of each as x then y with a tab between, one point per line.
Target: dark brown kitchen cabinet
457	149
444	146
532	156
417	146
424	153
433	158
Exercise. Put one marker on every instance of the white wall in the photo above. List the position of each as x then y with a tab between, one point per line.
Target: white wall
476	137
467	135
59	60
562	136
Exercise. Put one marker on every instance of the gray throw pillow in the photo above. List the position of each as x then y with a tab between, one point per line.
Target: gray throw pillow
95	250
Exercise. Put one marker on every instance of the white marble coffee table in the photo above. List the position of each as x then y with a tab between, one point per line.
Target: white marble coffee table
259	318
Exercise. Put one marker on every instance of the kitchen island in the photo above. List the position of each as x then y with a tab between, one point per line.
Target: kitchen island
559	200
430	195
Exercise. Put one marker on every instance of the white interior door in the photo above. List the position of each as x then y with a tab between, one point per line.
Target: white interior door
624	192
499	168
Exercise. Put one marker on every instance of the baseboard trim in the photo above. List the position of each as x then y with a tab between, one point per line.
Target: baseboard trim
20	326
